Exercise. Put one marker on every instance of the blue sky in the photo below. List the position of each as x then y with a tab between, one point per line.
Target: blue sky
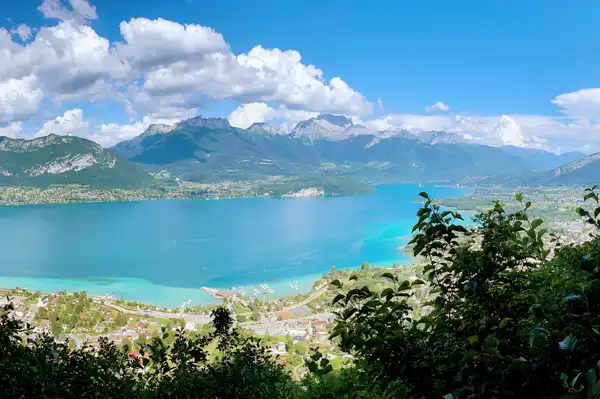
502	72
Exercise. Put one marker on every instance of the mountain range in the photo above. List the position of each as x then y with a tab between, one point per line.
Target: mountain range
211	150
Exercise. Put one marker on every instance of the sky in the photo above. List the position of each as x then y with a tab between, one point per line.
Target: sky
496	72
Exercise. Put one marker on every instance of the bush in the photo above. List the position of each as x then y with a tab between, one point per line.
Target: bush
44	368
506	320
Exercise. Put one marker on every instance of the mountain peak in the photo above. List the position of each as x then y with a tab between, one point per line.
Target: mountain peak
157	128
434	137
210	123
265	128
338	120
323	127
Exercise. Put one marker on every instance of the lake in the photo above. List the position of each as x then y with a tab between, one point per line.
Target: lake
162	252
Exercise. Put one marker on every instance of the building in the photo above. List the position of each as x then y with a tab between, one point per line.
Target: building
279	349
190	326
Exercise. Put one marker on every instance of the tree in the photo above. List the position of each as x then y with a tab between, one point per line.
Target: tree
506	320
120	319
44	368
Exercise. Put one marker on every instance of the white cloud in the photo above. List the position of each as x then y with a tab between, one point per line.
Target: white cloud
411	122
69	124
20	98
67	60
183	60
438	106
153	43
535	131
23	31
78	10
584	103
163	70
510	132
247	114
160	66
109	134
12	130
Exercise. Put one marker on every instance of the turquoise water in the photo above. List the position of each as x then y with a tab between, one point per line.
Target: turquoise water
162	252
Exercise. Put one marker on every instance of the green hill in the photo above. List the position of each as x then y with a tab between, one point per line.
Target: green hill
56	159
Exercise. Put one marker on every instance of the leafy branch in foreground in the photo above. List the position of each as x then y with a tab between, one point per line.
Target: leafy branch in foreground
506	320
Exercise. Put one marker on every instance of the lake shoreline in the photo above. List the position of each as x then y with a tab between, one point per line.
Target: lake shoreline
163	252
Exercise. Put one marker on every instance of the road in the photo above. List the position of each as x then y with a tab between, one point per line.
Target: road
206	319
307	300
193	318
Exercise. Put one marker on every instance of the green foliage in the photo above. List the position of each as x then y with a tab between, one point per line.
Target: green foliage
186	368
505	320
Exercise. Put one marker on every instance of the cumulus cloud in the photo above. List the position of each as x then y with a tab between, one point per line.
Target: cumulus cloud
12	130
154	43
77	10
20	98
109	134
247	114
67	60
163	70
510	132
176	60
411	122
158	66
543	132
23	31
583	103
71	123
438	106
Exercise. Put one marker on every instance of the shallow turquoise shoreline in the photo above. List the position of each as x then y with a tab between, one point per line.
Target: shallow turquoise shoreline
163	252
144	291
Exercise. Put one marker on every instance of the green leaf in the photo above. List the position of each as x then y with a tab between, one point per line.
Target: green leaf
541	233
353	277
590	195
355	292
505	321
568	343
336	283
473	339
424	195
387	292
519	197
418	282
597	212
388	276
536	333
536	223
338	298
527	204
